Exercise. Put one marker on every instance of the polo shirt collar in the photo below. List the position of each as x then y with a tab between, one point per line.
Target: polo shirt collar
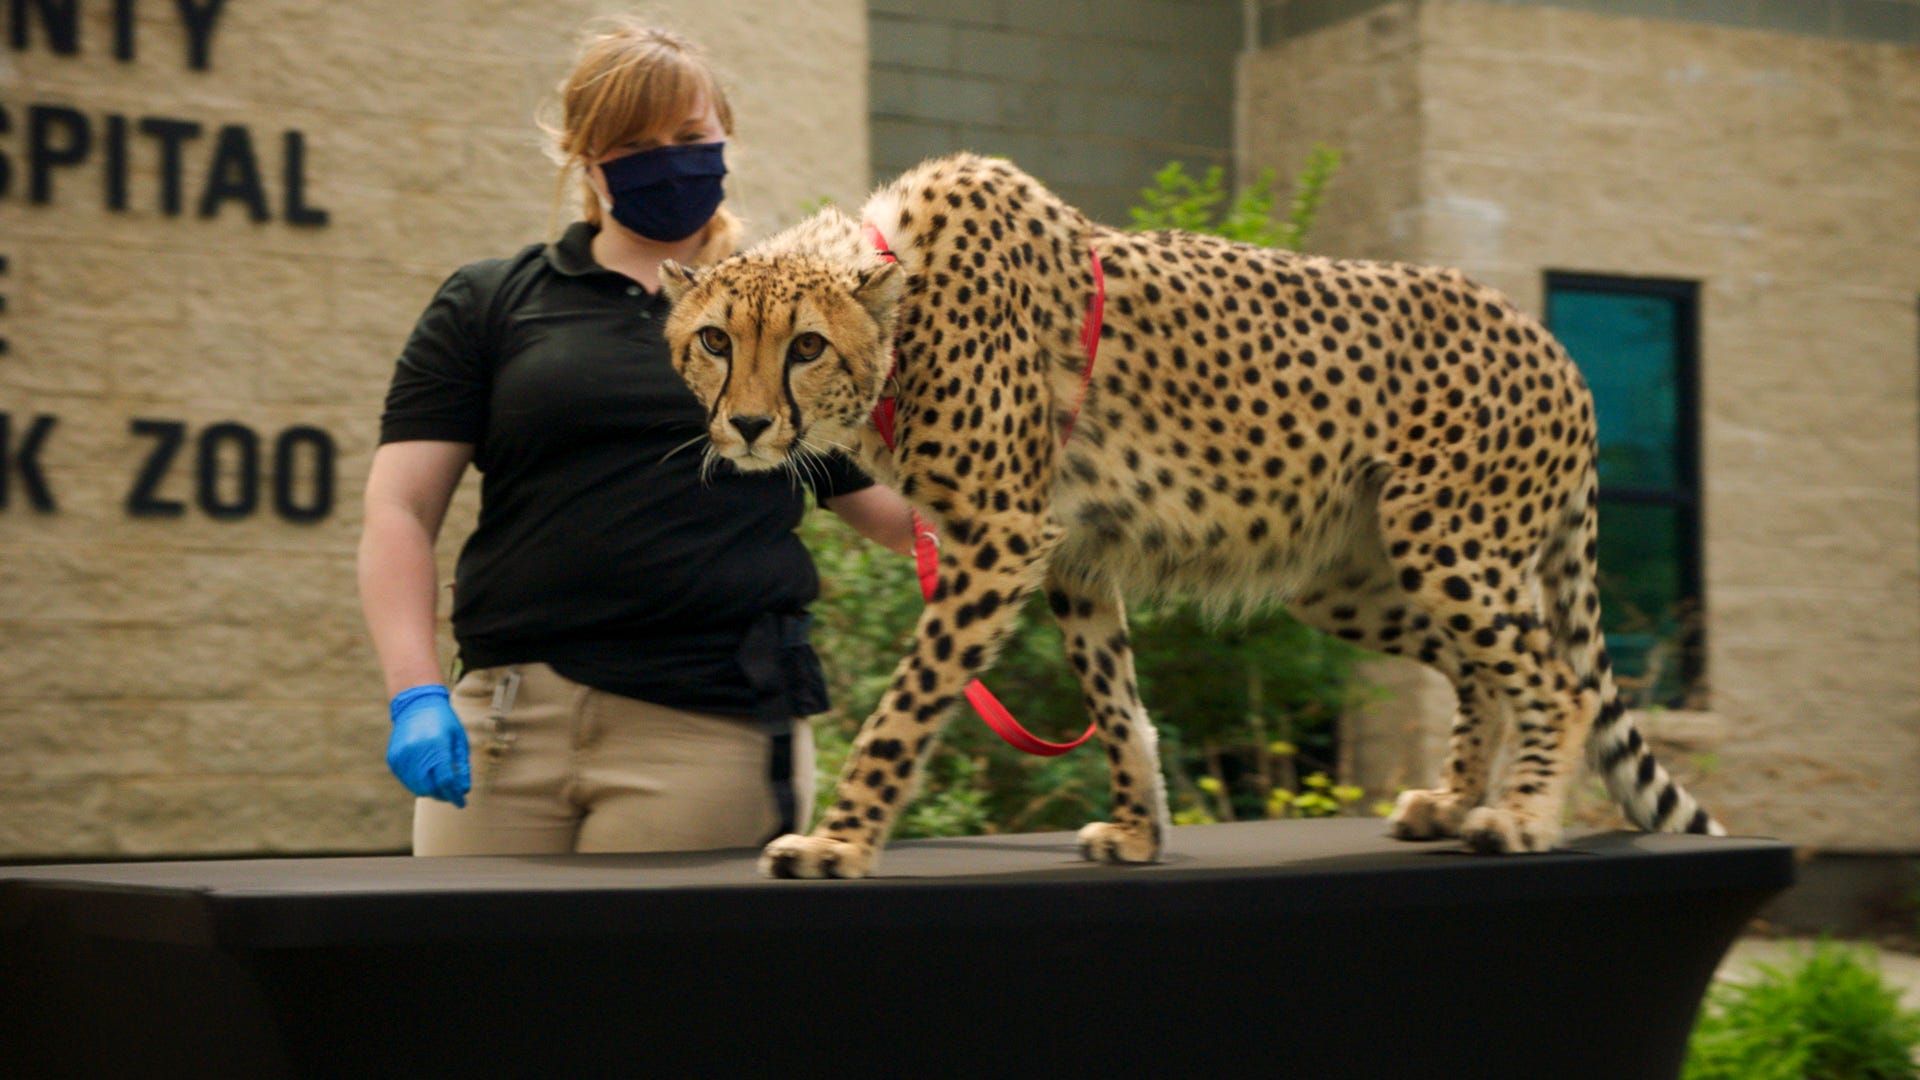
572	254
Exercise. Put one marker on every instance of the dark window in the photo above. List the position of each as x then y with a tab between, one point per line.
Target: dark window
1637	342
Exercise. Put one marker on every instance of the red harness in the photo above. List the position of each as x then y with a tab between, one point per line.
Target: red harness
926	545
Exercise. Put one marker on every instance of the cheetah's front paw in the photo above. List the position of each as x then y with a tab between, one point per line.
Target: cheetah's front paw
795	856
1427	815
1493	831
1106	842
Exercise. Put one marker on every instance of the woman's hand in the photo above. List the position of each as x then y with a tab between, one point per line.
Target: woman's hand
428	748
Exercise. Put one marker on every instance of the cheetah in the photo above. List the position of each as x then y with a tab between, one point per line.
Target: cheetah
1398	455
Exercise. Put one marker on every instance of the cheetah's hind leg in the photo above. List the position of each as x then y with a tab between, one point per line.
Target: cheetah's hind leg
1474	741
1363	601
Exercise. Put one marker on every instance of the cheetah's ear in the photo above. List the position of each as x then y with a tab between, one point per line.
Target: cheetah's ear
676	280
879	291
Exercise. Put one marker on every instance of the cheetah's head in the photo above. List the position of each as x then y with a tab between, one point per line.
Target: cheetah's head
787	349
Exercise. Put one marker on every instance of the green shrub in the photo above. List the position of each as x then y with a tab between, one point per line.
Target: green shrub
1245	707
1827	1015
1248	705
1177	200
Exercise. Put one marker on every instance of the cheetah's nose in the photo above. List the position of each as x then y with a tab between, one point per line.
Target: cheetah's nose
750	427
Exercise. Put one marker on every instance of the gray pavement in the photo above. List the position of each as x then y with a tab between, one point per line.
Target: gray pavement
1898	968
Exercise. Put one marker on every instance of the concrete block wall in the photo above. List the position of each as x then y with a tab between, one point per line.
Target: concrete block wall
195	684
185	685
1091	96
1881	21
1781	171
1354	87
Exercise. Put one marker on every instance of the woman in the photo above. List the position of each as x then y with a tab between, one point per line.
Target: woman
633	667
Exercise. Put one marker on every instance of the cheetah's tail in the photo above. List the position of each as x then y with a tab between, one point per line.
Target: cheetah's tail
1650	797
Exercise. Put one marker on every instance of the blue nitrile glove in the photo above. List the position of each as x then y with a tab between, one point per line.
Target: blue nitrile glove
428	750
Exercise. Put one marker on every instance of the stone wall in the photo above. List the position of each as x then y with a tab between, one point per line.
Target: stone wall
1354	88
200	682
1091	96
182	664
1779	170
1893	21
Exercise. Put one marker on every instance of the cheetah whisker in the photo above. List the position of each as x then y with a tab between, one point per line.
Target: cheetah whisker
690	442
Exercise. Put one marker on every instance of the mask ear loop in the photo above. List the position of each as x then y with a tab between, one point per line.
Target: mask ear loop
596	182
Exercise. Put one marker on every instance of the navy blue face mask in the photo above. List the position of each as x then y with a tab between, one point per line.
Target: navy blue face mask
669	192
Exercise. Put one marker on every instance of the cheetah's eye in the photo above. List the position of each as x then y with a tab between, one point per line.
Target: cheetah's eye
806	347
716	341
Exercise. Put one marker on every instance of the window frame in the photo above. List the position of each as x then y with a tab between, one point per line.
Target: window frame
1688	495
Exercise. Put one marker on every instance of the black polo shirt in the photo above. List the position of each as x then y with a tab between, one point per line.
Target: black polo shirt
600	548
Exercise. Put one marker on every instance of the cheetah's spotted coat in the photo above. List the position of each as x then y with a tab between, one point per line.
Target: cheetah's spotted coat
1396	453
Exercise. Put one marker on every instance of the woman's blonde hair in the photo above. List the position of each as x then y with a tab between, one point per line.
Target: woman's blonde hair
632	81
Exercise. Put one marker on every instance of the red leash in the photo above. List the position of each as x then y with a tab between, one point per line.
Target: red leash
926	546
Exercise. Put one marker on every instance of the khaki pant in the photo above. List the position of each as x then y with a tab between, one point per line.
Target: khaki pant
566	768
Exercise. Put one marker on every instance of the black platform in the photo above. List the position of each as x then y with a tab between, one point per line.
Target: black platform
1315	949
